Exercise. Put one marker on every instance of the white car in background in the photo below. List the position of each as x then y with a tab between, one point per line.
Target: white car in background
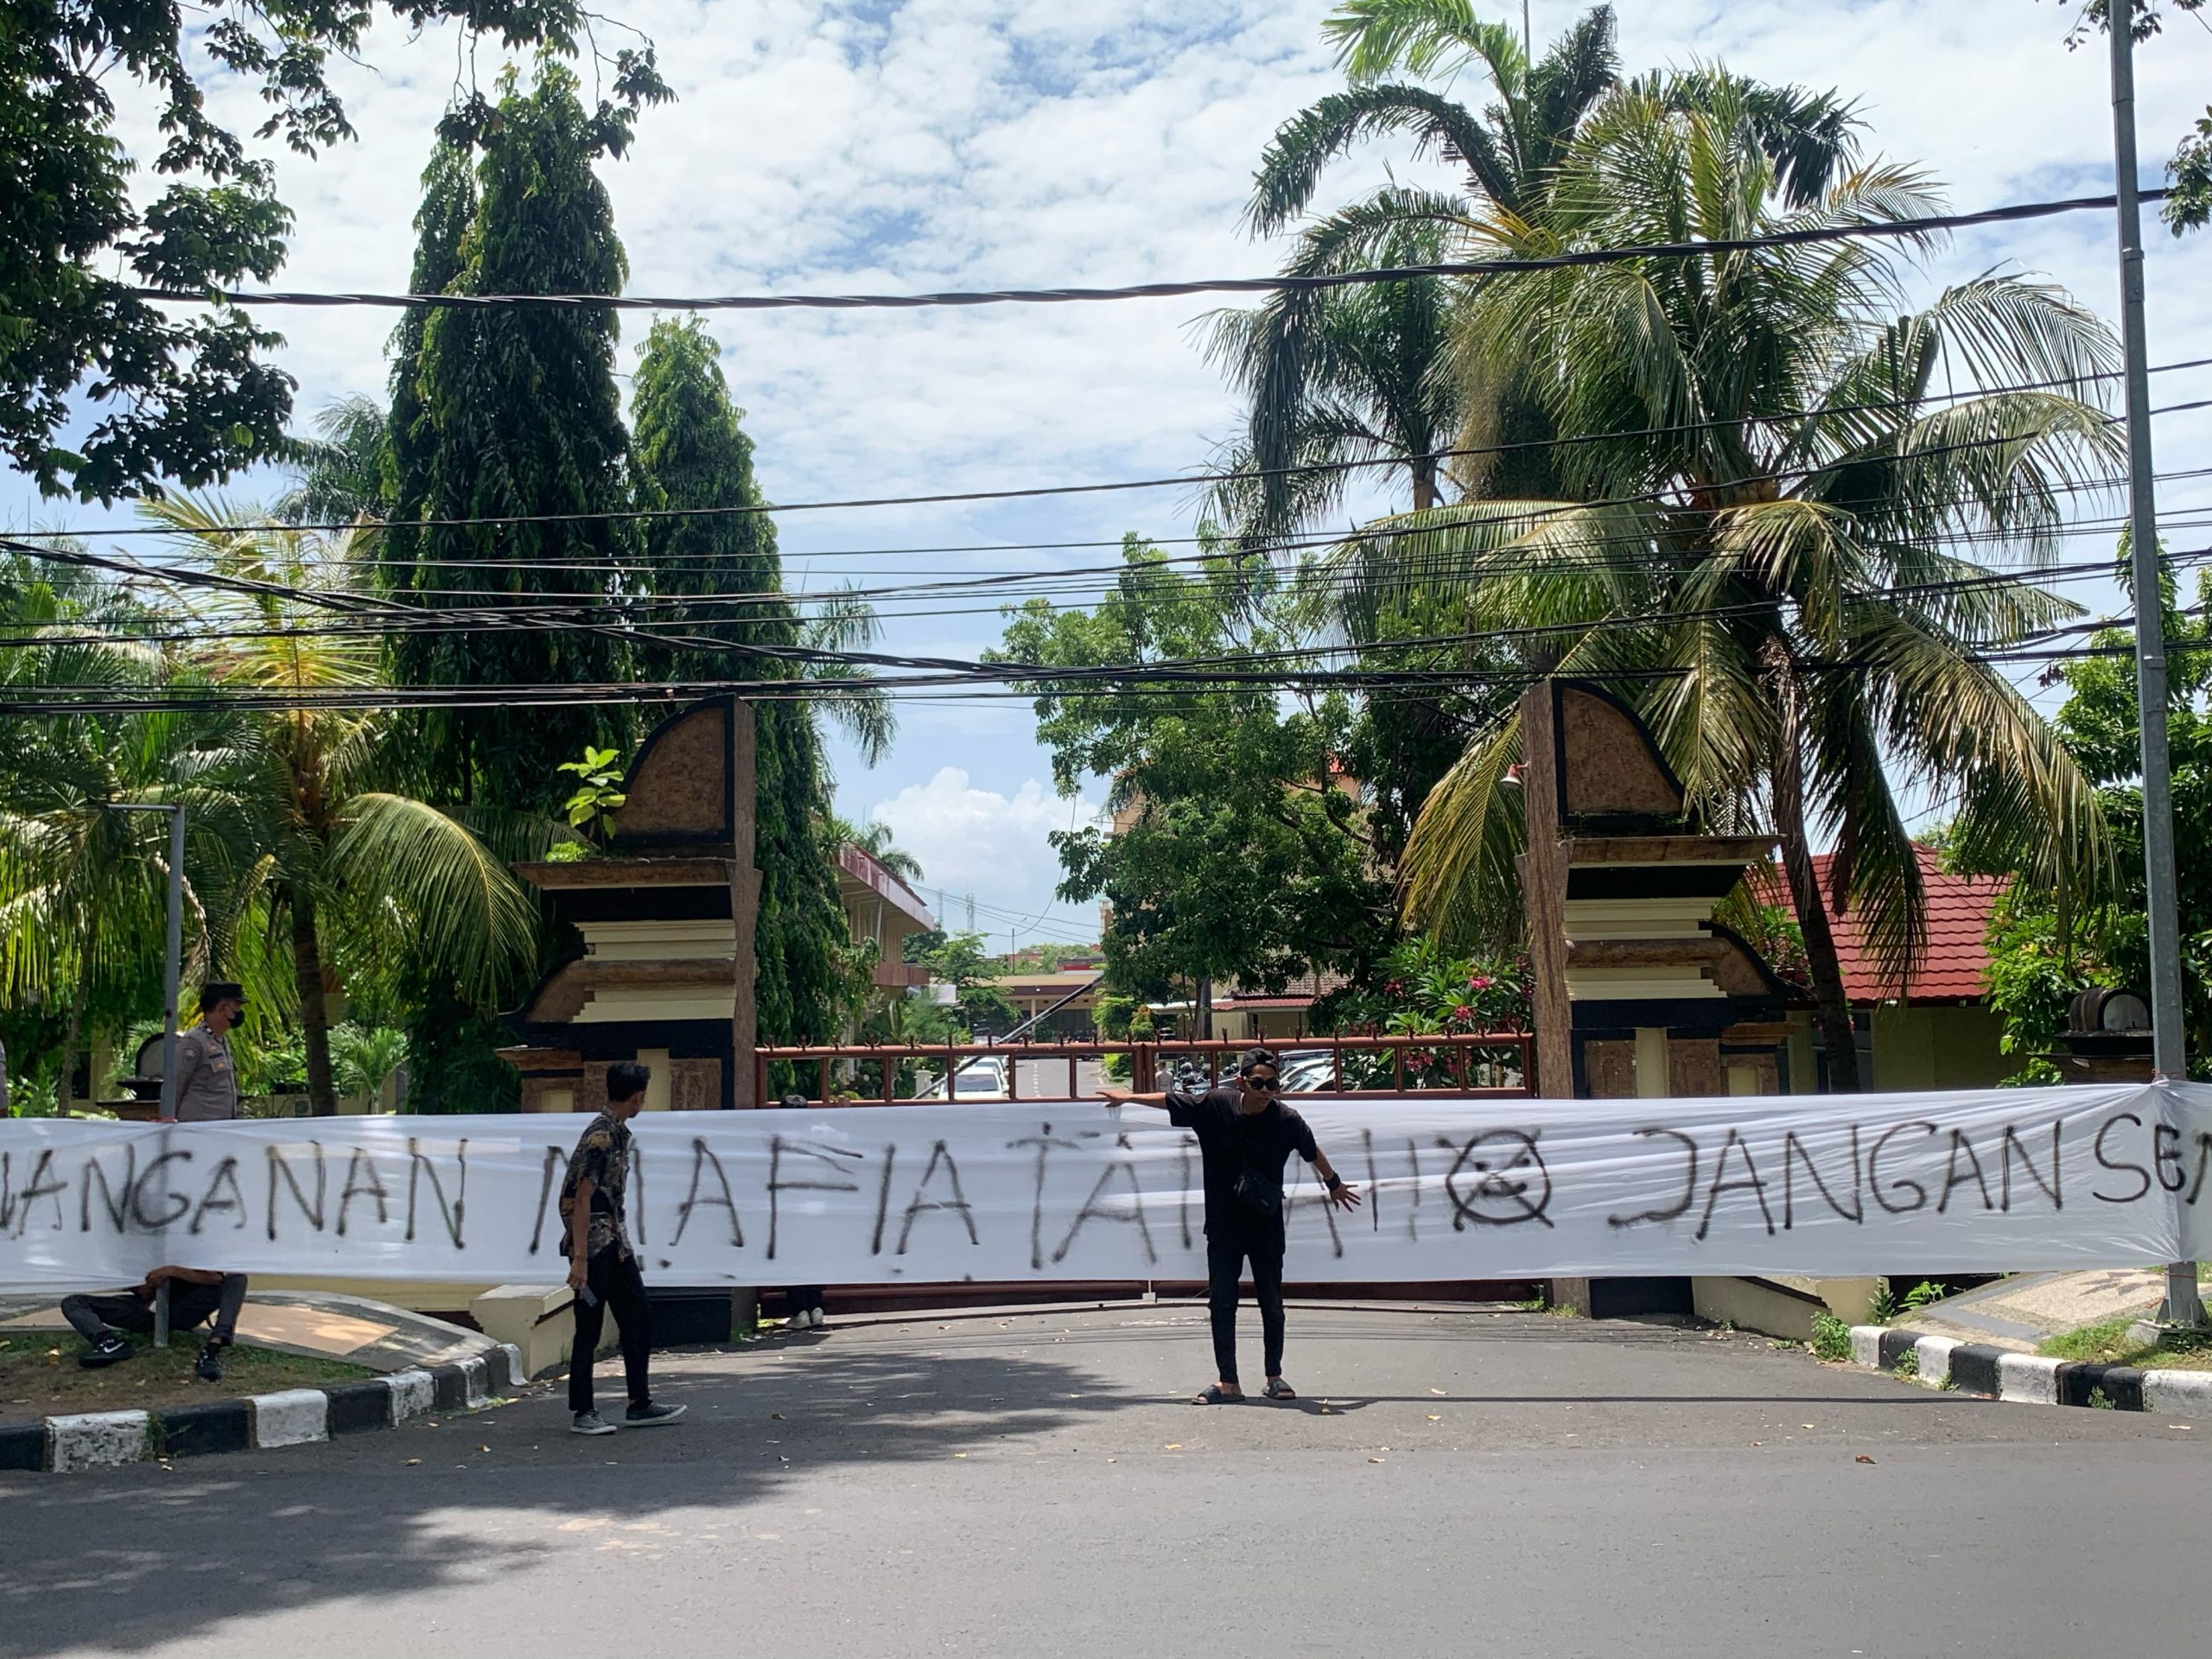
980	1079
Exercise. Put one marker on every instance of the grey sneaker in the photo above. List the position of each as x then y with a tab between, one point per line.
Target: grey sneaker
647	1416
589	1422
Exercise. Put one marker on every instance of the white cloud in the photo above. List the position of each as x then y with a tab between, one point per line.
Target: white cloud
995	847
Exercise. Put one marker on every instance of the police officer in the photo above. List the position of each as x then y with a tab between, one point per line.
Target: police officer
207	1082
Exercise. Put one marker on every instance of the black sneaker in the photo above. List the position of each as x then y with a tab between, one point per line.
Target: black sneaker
647	1416
210	1368
589	1422
108	1351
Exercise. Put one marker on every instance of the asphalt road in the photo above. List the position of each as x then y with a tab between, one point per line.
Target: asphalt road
1048	1079
1031	1484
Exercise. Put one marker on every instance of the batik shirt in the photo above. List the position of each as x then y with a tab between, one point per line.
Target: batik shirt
601	1157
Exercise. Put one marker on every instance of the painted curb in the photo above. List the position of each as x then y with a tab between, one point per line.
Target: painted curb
2031	1379
104	1439
98	1440
294	1417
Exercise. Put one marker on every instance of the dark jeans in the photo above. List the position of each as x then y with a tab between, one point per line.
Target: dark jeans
93	1317
802	1299
1226	1253
613	1278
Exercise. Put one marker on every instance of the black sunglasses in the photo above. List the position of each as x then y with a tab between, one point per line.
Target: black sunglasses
1251	1082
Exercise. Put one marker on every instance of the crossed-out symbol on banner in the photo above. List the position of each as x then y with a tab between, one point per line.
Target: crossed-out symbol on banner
1515	1187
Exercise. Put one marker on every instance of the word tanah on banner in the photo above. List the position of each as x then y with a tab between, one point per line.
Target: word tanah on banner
934	1192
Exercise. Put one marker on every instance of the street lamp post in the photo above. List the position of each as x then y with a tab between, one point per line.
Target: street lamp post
172	985
2169	1057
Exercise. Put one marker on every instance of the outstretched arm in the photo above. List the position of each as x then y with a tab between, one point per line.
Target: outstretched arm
1114	1096
1342	1193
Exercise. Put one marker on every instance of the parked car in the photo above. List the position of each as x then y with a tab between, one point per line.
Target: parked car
1306	1071
982	1078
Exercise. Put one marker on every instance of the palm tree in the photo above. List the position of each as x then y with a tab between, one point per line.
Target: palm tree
1755	546
83	877
873	838
318	848
1345	374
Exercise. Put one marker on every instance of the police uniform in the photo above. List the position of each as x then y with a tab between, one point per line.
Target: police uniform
207	1085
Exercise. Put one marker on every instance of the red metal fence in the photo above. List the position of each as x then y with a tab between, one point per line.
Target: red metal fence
1464	1065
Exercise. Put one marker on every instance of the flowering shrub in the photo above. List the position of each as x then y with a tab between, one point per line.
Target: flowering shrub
1423	991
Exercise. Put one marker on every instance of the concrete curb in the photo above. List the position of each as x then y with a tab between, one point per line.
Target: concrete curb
2029	1379
102	1439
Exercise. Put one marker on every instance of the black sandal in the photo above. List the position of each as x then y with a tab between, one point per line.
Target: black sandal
1214	1395
1278	1389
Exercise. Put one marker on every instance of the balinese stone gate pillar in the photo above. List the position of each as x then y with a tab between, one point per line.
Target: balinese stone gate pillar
1636	990
666	972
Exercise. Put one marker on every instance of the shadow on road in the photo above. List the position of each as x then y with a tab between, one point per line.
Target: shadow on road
125	1559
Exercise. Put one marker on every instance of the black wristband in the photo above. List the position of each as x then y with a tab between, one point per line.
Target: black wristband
1335	1181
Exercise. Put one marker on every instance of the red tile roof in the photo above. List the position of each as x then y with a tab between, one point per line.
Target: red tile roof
1299	993
1958	925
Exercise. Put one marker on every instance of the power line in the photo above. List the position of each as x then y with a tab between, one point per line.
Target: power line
1928	226
622	515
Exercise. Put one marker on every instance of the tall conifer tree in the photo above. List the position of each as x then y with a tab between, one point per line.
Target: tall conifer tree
692	452
513	414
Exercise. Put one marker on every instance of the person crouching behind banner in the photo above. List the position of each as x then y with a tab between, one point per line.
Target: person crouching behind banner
1245	1137
602	1267
802	1303
195	1298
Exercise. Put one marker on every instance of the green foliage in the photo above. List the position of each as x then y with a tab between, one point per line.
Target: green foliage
599	793
514	413
960	961
1712	626
1831	1339
874	839
1926	1293
1423	989
691	451
2041	955
186	397
363	1059
1907	1368
1238	856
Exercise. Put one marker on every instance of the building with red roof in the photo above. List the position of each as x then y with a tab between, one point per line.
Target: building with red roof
1934	1032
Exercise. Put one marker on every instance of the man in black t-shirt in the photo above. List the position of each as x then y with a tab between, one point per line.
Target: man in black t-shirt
1245	1137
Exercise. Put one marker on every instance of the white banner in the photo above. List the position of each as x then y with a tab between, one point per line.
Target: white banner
2007	1179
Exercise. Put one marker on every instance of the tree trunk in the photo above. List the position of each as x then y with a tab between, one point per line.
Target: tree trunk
65	1086
1424	471
315	1019
1832	1006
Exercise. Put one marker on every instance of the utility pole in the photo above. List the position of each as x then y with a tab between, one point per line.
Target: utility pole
172	986
1528	38
2184	1305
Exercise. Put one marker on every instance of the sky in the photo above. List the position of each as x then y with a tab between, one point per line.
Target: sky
893	147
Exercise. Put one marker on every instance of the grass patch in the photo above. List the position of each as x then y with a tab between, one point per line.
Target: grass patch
40	1376
2107	1343
1907	1368
1831	1337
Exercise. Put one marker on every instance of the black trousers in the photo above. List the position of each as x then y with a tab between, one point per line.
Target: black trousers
93	1317
613	1278
1226	1253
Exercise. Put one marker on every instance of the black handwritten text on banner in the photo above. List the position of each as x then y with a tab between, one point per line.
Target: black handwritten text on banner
2002	1180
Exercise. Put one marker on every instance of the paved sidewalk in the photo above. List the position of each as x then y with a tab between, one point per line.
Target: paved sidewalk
2021	1312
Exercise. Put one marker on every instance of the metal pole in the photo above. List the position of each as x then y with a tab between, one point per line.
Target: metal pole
2169	1057
172	978
1528	38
